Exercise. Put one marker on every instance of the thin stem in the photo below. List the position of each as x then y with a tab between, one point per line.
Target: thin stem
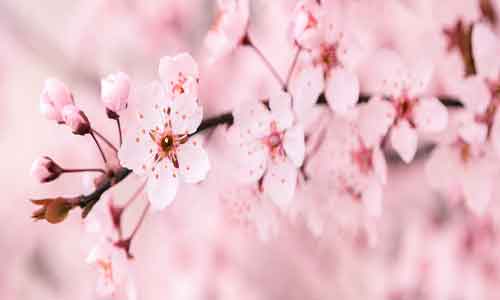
292	67
139	223
118	124
99	147
248	42
136	194
105	140
83	170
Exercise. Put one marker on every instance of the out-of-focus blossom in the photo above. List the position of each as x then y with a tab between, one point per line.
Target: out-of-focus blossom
405	86
305	27
158	145
271	145
115	90
229	28
44	169
55	96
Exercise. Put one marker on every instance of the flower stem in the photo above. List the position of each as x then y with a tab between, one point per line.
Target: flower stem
99	147
118	124
105	140
83	170
292	67
248	42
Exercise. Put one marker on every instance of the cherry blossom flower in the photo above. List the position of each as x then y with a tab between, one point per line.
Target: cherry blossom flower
55	96
464	169
404	86
180	76
272	146
356	171
115	90
229	28
158	144
111	263
330	54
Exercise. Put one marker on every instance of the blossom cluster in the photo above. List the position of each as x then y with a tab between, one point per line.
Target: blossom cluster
316	146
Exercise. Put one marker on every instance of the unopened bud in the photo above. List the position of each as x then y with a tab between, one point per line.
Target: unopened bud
44	169
115	91
76	120
55	96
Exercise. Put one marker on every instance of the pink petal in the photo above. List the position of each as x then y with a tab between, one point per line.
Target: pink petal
253	119
419	77
478	189
280	182
342	90
294	144
442	167
404	140
469	130
186	114
379	165
250	161
193	161
281	109
162	185
430	115
135	150
389	72
485	47
306	88
374	120
495	134
182	64
475	94
372	199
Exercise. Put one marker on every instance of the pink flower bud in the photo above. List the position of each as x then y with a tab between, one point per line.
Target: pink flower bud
55	96
44	169
115	90
76	120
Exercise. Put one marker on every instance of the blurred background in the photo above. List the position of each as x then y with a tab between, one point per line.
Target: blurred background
420	249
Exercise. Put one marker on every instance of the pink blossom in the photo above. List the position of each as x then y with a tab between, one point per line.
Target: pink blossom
405	86
229	28
44	169
271	146
306	24
55	96
158	145
115	90
75	119
180	76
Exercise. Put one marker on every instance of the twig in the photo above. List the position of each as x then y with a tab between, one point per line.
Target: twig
99	147
105	140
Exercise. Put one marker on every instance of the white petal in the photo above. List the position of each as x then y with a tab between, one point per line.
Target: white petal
280	182
430	115
135	152
170	67
253	119
374	120
186	115
419	77
404	140
294	144
250	161
281	109
162	185
485	47
306	88
342	90
193	161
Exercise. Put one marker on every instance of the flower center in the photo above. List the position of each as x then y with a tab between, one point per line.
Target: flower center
329	55
364	159
274	141
167	145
